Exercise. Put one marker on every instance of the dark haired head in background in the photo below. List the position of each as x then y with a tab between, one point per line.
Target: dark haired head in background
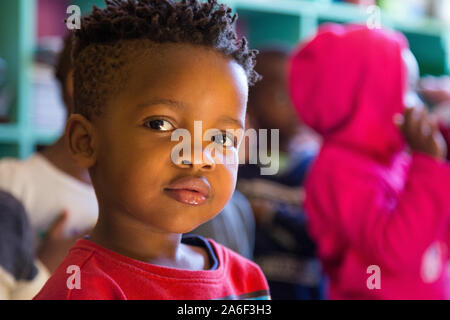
111	38
64	73
269	104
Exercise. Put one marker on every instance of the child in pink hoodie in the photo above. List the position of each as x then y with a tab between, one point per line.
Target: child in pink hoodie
380	215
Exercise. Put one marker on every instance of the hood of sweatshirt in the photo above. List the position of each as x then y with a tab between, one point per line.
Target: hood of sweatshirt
347	83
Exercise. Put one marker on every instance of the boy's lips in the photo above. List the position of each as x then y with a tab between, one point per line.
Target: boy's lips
189	190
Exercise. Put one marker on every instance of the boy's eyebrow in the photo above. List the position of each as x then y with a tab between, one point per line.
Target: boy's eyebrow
167	102
231	121
180	105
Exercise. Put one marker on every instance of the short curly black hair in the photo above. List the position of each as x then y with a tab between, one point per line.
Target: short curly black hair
99	49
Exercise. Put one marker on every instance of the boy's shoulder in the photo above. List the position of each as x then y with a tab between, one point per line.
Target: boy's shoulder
246	276
231	259
81	276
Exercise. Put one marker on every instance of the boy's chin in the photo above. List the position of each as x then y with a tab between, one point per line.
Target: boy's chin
182	225
188	225
184	229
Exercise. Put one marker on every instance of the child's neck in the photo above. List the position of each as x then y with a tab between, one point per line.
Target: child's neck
129	237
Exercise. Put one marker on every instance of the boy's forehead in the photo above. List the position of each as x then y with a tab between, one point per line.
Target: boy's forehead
182	67
188	74
181	56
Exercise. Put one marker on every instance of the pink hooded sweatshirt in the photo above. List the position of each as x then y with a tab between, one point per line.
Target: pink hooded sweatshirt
380	216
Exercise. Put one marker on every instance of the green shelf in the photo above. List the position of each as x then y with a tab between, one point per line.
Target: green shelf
9	133
17	26
287	22
266	23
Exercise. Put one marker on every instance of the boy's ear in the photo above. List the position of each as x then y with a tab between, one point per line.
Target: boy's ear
81	140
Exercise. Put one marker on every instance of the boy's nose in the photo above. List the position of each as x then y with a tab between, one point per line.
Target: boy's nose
207	163
203	161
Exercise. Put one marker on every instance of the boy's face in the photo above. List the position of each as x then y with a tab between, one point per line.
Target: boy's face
132	170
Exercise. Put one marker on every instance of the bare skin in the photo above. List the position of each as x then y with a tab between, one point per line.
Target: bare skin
422	133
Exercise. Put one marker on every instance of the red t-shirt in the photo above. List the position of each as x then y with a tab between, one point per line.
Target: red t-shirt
92	272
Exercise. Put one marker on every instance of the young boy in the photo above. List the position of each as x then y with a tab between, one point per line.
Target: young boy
142	70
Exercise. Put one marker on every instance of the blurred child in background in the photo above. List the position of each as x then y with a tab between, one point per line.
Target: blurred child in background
283	248
55	191
380	216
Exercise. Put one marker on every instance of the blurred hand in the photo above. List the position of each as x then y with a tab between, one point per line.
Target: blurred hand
421	132
55	245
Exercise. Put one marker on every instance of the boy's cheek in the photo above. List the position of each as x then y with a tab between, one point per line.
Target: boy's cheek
234	165
227	183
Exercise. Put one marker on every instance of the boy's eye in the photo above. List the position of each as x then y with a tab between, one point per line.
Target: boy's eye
159	124
223	139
